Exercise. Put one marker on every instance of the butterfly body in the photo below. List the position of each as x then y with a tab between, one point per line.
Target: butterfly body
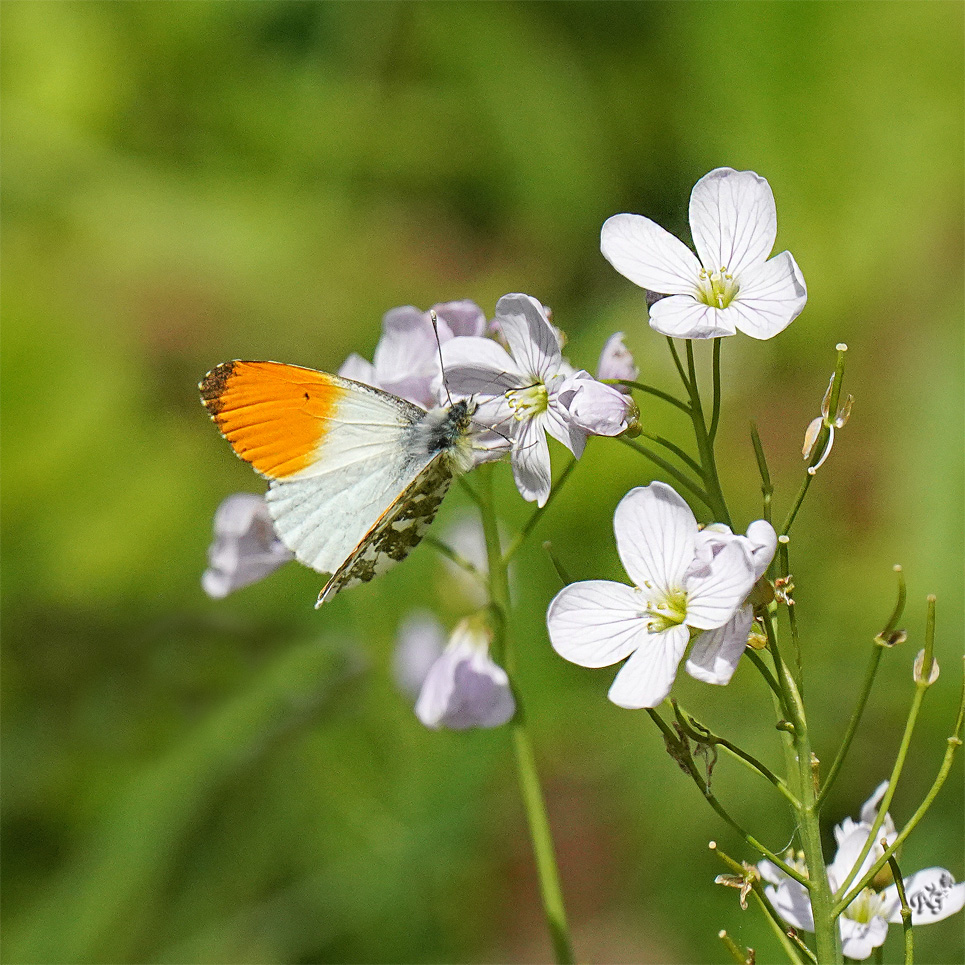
356	474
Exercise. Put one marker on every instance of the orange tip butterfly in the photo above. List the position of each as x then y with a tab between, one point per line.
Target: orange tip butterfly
356	474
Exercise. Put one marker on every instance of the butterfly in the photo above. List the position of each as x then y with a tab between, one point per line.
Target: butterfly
356	475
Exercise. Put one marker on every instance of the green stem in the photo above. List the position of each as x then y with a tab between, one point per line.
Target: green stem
687	762
700	733
651	390
676	450
869	679
533	802
715	413
530	524
670	470
767	488
954	742
920	689
678	363
905	911
705	444
826	936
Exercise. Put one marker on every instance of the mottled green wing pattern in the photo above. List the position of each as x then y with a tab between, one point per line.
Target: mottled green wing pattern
397	532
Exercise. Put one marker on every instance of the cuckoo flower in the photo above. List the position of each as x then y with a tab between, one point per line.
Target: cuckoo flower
406	360
932	894
733	287
714	655
245	548
464	688
598	622
518	391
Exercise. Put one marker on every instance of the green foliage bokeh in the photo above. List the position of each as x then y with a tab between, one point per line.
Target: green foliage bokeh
239	781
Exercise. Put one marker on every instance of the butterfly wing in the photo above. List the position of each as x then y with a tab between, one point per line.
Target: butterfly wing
335	451
398	530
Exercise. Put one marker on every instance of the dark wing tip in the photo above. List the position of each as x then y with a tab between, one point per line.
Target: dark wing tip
213	385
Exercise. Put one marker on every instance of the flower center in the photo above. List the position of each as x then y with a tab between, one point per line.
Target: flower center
864	907
666	610
530	401
717	289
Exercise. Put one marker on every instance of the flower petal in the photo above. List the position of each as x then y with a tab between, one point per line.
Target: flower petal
530	336
479	366
715	653
531	462
655	532
763	542
646	678
682	316
245	548
931	894
464	689
616	362
771	298
733	220
599	409
360	369
560	424
859	939
462	318
596	623
649	255
792	904
714	595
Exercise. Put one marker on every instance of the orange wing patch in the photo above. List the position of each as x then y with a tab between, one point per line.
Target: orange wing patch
273	415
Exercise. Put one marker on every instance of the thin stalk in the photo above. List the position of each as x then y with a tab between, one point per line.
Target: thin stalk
687	762
920	689
715	412
869	679
905	911
530	524
826	936
705	445
954	742
670	469
678	363
700	733
767	488
675	449
792	512
785	568
769	679
450	554
533	802
778	923
651	390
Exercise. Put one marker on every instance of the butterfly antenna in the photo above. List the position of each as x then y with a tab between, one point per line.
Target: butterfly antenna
442	368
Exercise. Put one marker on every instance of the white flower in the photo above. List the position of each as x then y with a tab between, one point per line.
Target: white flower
245	548
598	622
931	894
464	688
733	287
406	359
715	653
616	362
518	393
602	410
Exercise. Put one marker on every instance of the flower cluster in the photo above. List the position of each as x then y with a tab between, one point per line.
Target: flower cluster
689	584
932	894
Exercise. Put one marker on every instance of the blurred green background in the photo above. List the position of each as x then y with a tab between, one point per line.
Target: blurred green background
187	780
